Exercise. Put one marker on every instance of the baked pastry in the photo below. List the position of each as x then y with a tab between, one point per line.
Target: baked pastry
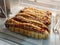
39	11
41	15
32	29
29	24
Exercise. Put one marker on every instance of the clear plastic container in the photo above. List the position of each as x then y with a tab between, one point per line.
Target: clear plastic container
17	39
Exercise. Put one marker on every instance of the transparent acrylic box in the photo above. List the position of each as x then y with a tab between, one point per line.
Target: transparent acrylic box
17	39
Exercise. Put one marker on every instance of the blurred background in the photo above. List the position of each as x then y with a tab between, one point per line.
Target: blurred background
7	5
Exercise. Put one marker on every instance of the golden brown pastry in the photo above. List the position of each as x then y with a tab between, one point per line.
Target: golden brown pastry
39	17
30	22
29	29
40	11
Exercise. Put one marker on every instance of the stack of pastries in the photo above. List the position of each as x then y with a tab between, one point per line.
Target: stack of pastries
31	22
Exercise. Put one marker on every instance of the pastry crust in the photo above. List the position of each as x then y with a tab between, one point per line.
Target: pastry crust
35	26
41	15
40	11
29	30
29	33
30	22
43	19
